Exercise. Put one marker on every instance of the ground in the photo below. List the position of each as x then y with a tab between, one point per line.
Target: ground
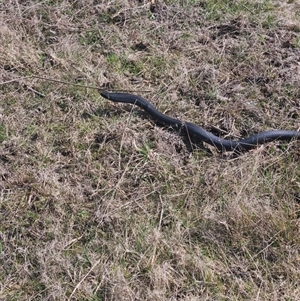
97	202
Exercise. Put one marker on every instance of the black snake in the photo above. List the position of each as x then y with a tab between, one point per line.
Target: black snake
195	132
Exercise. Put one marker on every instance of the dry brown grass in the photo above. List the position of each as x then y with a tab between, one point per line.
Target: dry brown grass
98	203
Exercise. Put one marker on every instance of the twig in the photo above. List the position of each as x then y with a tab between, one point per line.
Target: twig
34	91
68	83
24	85
83	86
83	278
65	82
15	80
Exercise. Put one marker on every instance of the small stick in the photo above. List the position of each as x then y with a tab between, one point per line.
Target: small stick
64	82
14	80
84	86
83	278
34	91
67	83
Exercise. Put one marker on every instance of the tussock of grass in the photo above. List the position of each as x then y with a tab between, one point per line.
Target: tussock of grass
97	203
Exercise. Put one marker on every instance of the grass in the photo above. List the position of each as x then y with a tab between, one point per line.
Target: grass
98	203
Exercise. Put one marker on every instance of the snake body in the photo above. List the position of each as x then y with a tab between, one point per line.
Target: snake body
198	133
